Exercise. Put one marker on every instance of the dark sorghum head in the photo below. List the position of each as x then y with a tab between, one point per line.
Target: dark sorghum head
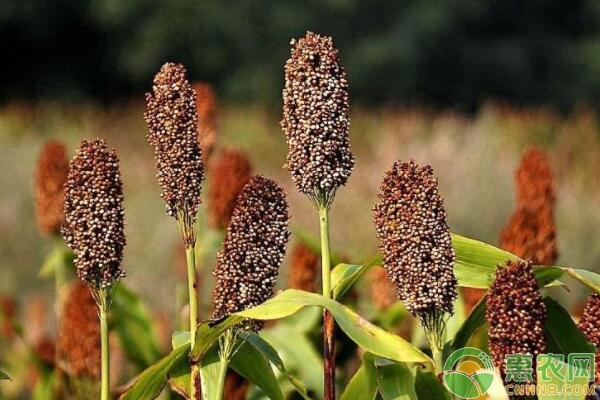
79	333
415	240
589	324
229	172
515	314
315	118
172	122
94	227
303	268
206	104
50	176
253	249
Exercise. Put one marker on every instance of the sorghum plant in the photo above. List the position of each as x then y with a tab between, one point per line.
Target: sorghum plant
78	342
172	120
531	231
248	262
50	176
94	229
206	104
229	172
303	268
415	241
589	324
315	122
515	315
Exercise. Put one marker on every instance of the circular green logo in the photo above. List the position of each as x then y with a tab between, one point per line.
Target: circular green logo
469	373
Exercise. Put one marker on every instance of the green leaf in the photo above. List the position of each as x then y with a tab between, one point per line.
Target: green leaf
428	387
562	335
588	278
179	338
4	375
59	258
251	363
132	321
343	276
151	382
288	302
363	384
395	380
272	356
298	354
476	262
210	369
474	321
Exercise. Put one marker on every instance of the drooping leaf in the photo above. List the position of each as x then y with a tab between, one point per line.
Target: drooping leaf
588	278
151	382
132	321
559	384
249	362
288	302
476	262
210	369
298	354
4	375
343	276
363	384
562	335
428	387
395	380
269	352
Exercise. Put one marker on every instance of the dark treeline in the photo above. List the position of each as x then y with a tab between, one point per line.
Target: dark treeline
437	52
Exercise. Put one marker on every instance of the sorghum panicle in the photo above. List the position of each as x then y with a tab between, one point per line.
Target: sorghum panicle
515	314
172	121
253	249
303	268
315	118
534	179
589	324
383	290
415	241
79	350
94	227
229	172
50	176
206	104
531	231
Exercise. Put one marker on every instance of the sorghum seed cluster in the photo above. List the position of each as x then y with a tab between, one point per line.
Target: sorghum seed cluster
79	349
50	176
515	314
415	240
253	249
589	324
229	172
304	268
94	217
206	105
172	122
531	231
315	117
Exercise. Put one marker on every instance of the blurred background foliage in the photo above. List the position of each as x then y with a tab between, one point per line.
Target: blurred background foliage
442	53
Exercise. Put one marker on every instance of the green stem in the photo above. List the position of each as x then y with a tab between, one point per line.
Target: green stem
105	385
193	302
325	258
328	321
436	351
